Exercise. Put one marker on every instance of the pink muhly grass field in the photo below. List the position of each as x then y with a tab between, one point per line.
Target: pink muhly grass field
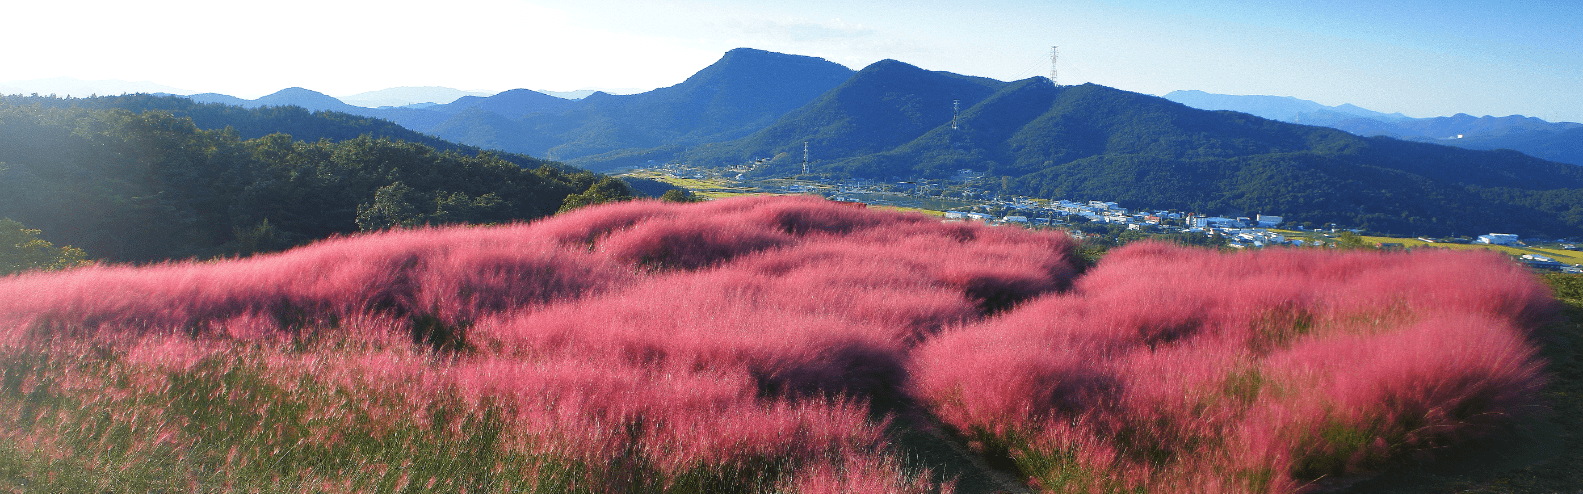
718	347
1171	369
752	345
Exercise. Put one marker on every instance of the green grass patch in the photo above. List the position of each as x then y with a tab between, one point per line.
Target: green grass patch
227	424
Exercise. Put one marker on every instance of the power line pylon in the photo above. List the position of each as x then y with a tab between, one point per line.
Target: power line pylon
956	111
1055	53
805	157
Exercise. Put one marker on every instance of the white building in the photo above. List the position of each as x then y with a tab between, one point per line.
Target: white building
1215	222
1498	239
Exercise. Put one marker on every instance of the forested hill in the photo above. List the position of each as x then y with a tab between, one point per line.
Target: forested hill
883	106
1565	146
1147	151
742	92
150	186
894	121
261	120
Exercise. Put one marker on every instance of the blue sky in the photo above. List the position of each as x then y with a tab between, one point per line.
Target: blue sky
1418	57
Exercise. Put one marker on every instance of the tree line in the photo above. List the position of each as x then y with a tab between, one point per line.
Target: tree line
147	186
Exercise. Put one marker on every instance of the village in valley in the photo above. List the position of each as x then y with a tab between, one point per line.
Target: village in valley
968	197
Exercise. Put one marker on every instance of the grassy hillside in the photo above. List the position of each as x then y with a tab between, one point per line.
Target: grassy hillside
765	345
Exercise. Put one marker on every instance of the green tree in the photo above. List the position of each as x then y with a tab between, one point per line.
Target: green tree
680	195
263	237
392	207
607	189
22	250
1351	241
458	207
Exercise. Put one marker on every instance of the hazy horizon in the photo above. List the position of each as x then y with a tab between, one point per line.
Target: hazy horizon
69	86
1416	57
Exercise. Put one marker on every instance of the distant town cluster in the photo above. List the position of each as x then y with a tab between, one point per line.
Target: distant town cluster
964	197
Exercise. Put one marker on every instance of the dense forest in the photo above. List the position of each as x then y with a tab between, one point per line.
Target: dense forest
149	185
894	121
259	121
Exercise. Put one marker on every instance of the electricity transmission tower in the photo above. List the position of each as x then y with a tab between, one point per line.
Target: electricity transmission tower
1055	52
805	157
956	111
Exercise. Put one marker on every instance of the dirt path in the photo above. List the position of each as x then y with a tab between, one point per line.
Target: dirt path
925	443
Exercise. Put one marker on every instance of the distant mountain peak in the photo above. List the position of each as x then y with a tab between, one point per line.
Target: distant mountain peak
746	63
291	96
408	95
297	91
746	52
891	63
303	97
740	53
515	103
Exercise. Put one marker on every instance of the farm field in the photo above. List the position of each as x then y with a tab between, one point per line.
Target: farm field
1565	256
706	188
787	344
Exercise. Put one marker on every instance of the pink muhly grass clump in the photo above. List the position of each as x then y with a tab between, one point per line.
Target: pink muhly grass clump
830	313
582	228
454	274
688	326
826	307
1180	370
731	343
859	473
688	242
1427	385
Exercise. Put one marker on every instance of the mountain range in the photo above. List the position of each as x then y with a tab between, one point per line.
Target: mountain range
1556	141
744	91
82	88
405	96
395	97
892	120
1282	108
